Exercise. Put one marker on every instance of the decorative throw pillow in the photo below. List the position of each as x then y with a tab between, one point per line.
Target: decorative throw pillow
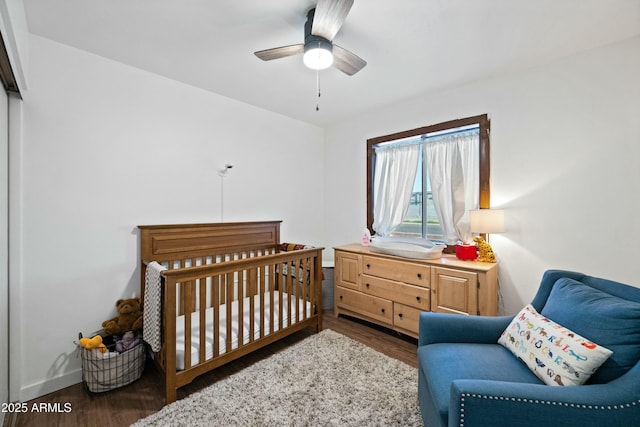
554	353
609	320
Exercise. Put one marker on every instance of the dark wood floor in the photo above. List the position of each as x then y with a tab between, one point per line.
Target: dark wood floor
144	397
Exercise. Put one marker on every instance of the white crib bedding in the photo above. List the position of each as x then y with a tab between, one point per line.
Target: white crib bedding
195	320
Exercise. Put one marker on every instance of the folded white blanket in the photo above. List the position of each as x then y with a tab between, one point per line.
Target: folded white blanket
151	320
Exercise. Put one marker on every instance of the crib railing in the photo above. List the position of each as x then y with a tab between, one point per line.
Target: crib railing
265	279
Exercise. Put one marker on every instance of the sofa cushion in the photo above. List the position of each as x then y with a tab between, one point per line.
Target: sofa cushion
610	321
443	363
556	354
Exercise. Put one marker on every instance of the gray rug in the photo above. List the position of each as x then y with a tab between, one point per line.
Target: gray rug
325	380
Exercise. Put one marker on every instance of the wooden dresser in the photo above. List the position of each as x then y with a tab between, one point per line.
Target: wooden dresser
392	291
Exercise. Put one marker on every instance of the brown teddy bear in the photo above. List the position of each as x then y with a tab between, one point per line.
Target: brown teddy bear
129	317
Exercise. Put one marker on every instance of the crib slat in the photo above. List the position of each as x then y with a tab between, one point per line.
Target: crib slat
185	294
202	330
190	297
283	288
266	289
252	278
296	290
215	283
316	290
240	299
251	281
290	292
229	301
270	288
305	280
312	283
181	296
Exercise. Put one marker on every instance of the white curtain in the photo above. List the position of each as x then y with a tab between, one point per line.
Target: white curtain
453	165
395	174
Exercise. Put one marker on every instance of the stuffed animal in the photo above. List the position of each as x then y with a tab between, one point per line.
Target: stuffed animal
127	342
129	317
93	343
485	252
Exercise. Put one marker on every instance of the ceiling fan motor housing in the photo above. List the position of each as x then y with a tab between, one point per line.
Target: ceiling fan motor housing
311	41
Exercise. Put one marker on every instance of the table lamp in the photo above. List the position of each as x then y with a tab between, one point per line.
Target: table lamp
486	221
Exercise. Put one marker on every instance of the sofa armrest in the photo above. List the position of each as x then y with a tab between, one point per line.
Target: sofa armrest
443	327
496	403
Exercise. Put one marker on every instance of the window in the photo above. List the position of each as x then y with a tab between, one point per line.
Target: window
414	181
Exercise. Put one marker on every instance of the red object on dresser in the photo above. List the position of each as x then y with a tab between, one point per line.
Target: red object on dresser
466	252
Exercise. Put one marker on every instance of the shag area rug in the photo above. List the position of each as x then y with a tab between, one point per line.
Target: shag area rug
327	379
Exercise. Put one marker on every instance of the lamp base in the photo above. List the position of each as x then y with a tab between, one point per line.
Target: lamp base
485	251
466	252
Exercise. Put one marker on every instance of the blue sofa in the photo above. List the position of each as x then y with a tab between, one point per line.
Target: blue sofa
467	379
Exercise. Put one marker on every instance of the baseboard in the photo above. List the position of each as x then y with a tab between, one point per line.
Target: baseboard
45	387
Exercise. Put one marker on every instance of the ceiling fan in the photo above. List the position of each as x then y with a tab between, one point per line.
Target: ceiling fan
323	23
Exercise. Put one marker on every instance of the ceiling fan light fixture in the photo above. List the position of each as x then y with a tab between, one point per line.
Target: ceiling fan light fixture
318	55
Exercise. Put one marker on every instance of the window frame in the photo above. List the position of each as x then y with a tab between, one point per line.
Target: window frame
484	159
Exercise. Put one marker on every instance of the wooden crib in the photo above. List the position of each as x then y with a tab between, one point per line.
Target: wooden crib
228	289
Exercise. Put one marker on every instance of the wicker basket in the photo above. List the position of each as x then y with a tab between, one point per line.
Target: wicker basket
107	371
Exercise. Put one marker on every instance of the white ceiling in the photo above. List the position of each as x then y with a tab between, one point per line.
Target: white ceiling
412	47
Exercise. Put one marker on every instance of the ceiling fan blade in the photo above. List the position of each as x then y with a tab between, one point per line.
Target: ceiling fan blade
347	62
280	52
329	17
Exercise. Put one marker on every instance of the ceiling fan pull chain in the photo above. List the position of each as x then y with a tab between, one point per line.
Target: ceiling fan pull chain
318	87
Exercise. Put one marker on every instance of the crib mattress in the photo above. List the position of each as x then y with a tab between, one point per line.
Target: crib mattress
195	329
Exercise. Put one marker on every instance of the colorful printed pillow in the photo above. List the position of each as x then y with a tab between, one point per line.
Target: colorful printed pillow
554	353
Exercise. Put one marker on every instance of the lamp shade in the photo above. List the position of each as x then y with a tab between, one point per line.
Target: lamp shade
486	221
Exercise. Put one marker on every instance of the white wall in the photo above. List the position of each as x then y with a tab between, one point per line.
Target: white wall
108	147
565	165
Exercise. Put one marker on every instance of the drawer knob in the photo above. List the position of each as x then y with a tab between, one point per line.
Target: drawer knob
400	315
419	276
367	285
382	310
368	265
418	299
340	297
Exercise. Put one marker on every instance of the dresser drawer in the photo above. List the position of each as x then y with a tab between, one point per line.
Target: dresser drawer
415	296
367	305
406	318
401	271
